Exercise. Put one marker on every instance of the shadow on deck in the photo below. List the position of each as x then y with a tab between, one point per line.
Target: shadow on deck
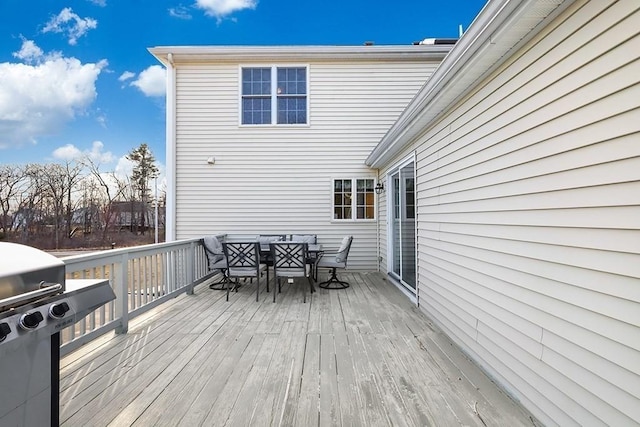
364	356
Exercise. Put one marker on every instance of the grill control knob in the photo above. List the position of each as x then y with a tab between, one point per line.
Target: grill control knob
57	311
5	330
31	320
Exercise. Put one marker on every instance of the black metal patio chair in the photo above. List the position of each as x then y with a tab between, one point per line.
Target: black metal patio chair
215	260
290	262
265	250
334	262
311	239
243	262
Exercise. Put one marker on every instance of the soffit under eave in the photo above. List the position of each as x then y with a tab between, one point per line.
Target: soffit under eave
466	65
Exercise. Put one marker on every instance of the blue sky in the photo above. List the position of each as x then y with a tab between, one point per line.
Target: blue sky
76	77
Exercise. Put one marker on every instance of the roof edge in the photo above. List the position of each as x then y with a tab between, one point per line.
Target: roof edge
203	54
488	35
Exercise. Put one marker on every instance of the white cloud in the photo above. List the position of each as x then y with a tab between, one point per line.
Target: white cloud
70	24
29	52
101	3
127	75
102	120
180	12
103	64
222	8
124	167
96	153
67	152
152	81
39	99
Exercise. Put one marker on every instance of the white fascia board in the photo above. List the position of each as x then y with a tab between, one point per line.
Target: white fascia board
483	48
212	54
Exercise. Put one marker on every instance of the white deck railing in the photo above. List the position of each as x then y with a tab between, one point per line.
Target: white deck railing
142	277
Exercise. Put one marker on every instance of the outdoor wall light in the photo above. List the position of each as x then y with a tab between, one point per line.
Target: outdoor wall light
211	161
379	188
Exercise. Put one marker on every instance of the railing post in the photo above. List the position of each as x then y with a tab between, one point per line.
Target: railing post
122	295
191	266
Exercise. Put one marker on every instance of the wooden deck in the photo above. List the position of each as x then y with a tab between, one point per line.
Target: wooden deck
364	356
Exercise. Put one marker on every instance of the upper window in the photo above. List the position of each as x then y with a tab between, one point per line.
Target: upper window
274	95
353	199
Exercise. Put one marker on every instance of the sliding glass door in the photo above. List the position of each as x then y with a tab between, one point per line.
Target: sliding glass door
402	232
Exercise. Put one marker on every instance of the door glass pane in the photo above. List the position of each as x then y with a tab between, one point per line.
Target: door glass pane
403	227
408	227
395	228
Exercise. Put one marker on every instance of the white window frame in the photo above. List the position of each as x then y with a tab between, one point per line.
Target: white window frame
274	95
354	206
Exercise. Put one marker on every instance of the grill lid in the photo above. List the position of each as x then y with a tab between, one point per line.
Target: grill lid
24	269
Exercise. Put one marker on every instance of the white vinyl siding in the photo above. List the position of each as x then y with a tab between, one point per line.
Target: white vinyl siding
528	205
279	179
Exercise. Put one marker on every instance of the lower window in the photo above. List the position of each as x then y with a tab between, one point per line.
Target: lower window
354	199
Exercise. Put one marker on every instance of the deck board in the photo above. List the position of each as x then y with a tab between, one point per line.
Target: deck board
360	356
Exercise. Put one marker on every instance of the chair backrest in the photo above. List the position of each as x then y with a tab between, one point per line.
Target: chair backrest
213	250
289	259
271	237
343	251
311	239
265	239
242	258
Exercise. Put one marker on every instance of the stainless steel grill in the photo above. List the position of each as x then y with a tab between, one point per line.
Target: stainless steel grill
36	303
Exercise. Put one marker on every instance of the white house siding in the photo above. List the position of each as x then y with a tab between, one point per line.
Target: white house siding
274	179
528	197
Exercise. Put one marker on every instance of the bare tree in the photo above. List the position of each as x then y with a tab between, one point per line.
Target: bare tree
29	202
111	189
11	179
73	175
46	204
59	183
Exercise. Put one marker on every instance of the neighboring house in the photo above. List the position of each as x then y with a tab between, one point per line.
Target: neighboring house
127	216
25	218
511	210
86	220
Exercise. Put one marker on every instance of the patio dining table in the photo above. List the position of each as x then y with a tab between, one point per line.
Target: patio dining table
314	250
311	248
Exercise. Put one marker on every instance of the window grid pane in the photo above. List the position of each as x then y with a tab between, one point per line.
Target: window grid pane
291	94
345	206
292	81
256	96
256	81
256	111
292	110
365	199
342	199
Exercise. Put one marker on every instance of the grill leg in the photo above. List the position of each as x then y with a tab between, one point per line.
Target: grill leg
55	379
